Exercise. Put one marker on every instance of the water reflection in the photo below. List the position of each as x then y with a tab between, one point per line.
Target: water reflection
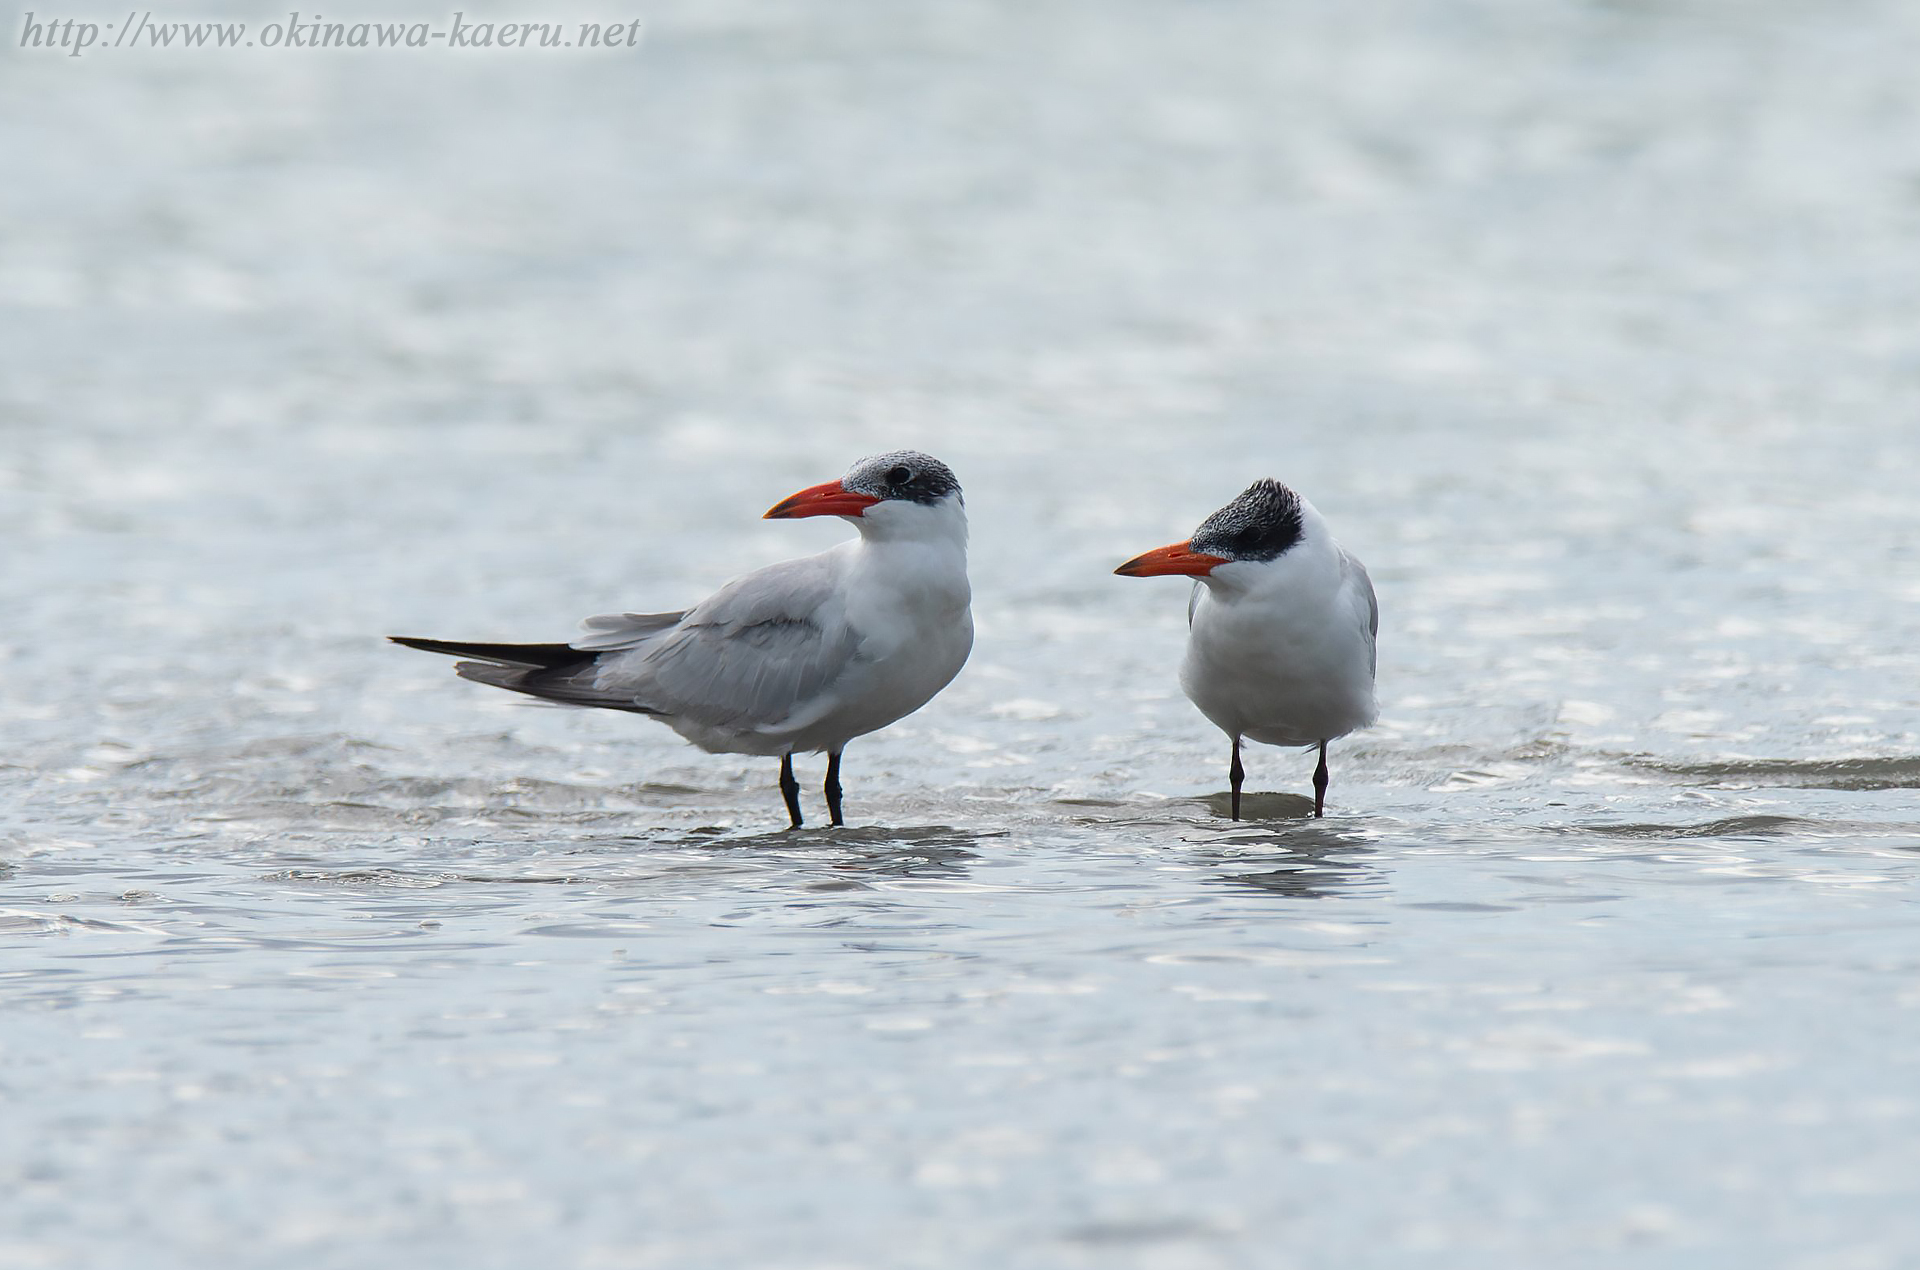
1846	773
1308	861
1268	806
914	851
1753	826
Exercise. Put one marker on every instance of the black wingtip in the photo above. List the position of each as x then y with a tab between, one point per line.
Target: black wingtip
535	655
423	644
552	672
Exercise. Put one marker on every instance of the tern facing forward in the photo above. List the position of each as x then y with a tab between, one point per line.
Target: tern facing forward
1282	625
798	657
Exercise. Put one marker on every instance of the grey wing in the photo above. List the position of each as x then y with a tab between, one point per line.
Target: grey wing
1363	585
611	632
752	654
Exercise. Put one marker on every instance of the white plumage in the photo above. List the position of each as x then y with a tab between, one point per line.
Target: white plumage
805	655
798	657
1282	626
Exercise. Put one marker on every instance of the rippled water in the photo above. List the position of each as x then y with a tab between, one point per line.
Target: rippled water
1589	326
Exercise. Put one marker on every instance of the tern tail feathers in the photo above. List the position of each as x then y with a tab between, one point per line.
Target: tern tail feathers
570	685
553	672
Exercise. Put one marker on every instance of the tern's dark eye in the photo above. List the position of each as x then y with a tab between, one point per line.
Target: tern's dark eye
899	475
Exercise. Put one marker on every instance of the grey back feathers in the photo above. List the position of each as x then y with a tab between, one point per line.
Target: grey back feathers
611	631
747	656
1353	569
1259	525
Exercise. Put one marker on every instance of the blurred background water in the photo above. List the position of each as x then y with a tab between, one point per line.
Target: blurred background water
1590	326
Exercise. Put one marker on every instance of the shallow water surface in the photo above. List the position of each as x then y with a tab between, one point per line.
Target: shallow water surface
1588	326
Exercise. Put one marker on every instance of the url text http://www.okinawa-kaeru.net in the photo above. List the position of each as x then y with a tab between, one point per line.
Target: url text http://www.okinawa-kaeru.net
140	29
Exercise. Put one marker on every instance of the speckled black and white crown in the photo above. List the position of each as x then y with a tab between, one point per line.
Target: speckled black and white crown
903	474
1259	525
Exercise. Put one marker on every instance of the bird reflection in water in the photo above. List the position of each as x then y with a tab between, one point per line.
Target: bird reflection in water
922	851
1303	861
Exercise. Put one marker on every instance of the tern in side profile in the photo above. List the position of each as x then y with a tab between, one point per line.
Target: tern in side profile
798	657
1281	626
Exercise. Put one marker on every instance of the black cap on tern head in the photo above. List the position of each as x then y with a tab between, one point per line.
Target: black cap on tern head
903	474
1261	524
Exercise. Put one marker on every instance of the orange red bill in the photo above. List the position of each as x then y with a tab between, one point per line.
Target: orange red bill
830	498
1179	557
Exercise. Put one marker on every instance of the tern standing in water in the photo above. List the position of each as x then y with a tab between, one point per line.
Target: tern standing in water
798	657
1280	646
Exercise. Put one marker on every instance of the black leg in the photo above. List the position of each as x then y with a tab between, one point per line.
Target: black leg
790	789
833	787
1320	783
1236	774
